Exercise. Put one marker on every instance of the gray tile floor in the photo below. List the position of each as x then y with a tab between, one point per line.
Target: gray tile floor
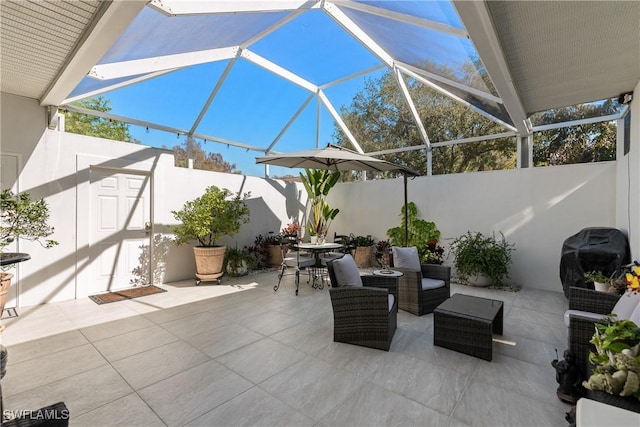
240	354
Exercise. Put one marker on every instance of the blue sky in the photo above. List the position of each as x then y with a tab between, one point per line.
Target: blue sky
254	105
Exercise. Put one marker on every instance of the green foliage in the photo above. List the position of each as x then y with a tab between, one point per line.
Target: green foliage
318	183
235	261
421	232
85	124
587	142
478	254
362	241
596	276
215	214
615	336
380	119
259	252
25	218
201	159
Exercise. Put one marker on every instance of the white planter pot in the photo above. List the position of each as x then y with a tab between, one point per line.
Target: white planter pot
602	287
479	280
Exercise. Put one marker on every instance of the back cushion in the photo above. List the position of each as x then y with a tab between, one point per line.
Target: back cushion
346	271
406	258
626	304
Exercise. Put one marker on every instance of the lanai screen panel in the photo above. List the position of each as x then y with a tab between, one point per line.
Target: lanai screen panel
154	34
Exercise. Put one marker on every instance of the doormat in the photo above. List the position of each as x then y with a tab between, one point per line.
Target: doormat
125	294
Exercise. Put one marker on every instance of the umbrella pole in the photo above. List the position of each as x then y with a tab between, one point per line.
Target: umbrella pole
406	217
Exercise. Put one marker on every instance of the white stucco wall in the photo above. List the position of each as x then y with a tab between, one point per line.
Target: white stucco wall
536	208
55	165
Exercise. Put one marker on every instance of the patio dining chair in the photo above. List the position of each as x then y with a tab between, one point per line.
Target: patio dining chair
292	257
422	287
365	308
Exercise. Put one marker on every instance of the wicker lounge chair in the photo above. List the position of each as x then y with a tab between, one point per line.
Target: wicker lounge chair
581	327
419	296
581	330
363	314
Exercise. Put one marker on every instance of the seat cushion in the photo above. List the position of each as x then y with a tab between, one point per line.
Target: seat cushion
391	301
587	314
303	260
346	271
406	258
626	304
428	283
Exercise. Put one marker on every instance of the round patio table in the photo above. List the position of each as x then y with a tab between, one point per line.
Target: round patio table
8	258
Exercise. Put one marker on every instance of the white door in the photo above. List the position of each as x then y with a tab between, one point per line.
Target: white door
120	229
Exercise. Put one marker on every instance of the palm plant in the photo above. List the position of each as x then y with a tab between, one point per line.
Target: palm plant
317	183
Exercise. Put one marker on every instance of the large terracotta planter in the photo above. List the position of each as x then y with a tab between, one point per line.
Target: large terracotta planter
363	255
209	262
5	283
275	256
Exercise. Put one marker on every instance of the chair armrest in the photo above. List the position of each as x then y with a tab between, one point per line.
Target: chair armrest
359	300
388	283
410	280
581	330
436	271
592	301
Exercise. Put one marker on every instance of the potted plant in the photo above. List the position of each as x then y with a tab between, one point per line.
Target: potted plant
616	360
601	282
273	248
482	260
434	253
317	183
21	217
218	212
363	252
382	253
259	252
238	261
421	232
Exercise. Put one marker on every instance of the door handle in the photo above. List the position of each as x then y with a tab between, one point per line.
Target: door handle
147	227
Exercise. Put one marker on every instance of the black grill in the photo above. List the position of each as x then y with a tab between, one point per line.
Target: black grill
592	249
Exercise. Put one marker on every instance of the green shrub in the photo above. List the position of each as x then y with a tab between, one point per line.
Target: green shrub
476	253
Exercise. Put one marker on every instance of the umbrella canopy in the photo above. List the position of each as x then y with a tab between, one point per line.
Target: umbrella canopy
334	157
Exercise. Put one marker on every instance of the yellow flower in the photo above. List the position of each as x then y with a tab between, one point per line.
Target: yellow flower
632	280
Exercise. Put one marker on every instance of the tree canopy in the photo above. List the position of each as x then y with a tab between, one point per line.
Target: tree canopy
201	159
380	119
85	124
590	142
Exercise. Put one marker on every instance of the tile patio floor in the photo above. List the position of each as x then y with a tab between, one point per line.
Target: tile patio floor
240	354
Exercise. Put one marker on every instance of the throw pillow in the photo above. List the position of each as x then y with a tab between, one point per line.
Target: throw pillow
406	258
346	271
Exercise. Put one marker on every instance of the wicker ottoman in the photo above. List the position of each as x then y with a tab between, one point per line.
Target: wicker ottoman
466	324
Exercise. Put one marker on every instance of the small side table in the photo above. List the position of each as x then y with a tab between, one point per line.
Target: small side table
387	273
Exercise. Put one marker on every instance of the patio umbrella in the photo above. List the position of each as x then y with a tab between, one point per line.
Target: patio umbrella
336	158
